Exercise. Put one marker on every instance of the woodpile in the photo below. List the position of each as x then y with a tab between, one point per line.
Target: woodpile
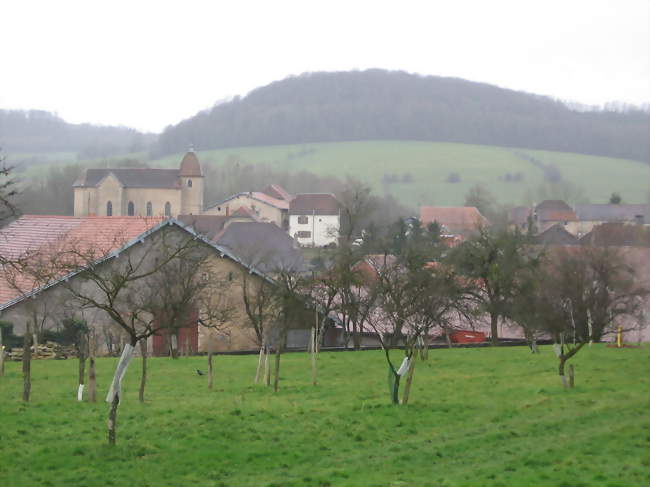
49	350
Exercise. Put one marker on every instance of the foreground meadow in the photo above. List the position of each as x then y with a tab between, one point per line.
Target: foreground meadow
477	417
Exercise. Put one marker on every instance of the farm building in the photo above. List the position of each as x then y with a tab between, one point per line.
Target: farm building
116	241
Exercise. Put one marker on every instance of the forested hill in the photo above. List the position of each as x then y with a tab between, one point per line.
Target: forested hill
378	104
35	131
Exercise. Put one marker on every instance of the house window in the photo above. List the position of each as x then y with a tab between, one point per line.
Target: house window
130	209
189	183
303	234
168	209
303	220
109	209
149	208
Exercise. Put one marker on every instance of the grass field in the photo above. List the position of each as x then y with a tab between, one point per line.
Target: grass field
478	417
430	163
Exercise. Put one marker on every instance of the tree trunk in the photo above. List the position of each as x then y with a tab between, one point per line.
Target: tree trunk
276	379
494	329
92	380
563	360
82	375
409	380
448	338
259	365
2	356
27	365
112	419
210	369
115	391
314	351
174	345
143	377
356	339
267	367
393	384
571	376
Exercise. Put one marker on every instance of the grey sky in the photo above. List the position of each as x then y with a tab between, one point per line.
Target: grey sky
149	64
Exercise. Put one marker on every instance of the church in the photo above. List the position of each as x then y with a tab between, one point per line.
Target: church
141	191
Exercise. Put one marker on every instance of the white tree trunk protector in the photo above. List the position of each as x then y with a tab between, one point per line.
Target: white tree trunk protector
404	368
80	393
116	385
174	343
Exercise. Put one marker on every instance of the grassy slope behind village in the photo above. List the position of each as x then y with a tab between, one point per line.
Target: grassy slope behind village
428	164
488	417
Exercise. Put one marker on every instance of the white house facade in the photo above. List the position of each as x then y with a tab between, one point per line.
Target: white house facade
314	219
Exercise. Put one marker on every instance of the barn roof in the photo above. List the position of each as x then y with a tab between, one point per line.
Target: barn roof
221	249
31	234
262	244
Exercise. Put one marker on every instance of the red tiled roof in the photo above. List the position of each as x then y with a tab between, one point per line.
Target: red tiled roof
265	198
454	218
277	191
557	215
242	211
46	233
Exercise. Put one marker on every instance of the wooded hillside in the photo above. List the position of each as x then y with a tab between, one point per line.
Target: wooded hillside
377	104
37	131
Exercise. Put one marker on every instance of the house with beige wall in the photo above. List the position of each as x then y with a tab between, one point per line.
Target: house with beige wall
50	302
266	208
146	192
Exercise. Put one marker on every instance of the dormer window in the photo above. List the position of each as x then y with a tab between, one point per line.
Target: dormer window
189	183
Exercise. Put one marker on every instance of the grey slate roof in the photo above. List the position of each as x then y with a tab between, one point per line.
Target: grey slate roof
207	225
262	245
131	177
556	235
612	213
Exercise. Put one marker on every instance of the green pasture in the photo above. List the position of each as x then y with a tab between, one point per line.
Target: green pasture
477	417
430	163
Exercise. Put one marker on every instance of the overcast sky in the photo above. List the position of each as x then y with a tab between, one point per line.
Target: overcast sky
149	64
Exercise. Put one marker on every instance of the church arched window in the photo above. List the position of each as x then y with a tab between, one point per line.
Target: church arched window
131	209
109	209
189	183
168	209
149	208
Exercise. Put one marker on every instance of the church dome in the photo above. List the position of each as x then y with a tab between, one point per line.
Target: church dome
190	166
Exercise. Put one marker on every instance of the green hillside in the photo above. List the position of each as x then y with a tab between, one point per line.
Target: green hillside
427	165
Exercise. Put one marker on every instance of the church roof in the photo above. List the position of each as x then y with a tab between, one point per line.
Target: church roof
190	166
131	177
